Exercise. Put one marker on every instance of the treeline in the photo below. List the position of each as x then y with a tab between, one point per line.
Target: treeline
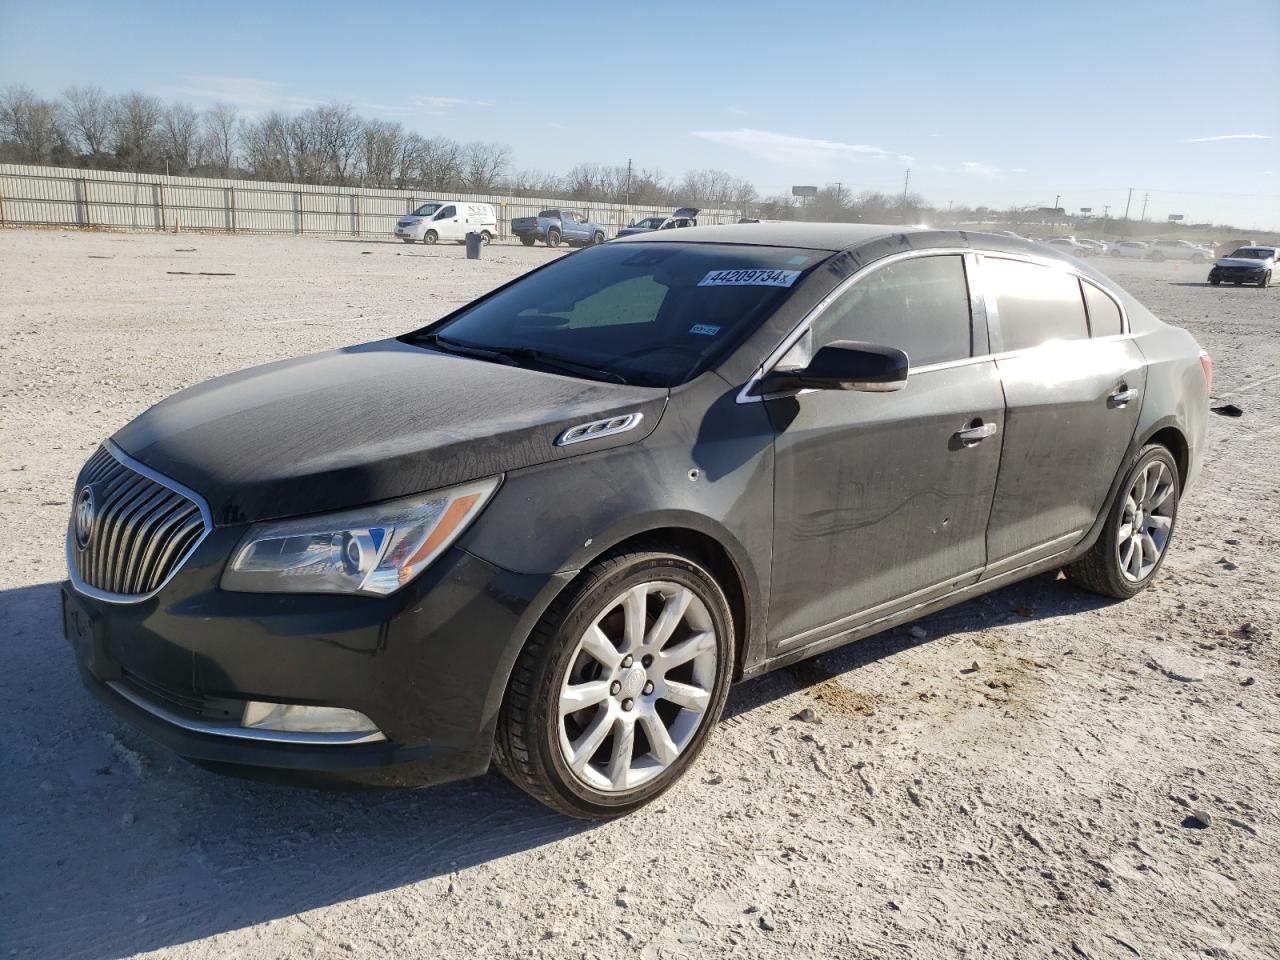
328	144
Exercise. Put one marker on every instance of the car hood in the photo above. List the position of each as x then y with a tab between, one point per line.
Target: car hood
368	423
1242	262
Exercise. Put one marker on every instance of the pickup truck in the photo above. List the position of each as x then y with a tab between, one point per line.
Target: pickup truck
553	226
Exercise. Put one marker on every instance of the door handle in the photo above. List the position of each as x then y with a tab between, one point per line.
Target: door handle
973	435
1122	396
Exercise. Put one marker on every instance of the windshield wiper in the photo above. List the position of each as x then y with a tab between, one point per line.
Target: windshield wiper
559	363
512	356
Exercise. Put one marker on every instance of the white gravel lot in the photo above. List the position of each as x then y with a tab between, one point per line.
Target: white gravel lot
1038	806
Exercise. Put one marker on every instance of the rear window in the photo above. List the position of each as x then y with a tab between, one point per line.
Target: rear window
655	314
1105	319
1036	304
549	214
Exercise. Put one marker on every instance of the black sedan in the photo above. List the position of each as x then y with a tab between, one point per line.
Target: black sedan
551	528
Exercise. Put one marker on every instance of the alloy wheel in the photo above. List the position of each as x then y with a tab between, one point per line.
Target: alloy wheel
1145	521
638	686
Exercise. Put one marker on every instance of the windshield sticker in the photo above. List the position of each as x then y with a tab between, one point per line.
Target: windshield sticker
749	277
704	329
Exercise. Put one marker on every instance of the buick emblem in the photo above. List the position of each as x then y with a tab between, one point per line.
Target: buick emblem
86	513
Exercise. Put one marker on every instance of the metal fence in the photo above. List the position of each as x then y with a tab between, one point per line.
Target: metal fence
67	197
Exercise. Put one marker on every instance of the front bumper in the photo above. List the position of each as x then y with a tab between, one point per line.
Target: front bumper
1237	274
428	664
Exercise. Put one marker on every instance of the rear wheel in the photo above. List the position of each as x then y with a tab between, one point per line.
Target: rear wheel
485	237
1135	539
527	241
553	238
619	686
430	237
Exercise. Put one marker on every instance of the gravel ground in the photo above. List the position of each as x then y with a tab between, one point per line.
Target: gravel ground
1019	777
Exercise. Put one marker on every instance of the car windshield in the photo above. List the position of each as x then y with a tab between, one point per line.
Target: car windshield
427	209
653	314
1252	253
653	223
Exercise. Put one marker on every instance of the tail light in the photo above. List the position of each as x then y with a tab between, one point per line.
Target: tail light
1206	364
535	221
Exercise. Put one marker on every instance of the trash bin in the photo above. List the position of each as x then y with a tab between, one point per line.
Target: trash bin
473	245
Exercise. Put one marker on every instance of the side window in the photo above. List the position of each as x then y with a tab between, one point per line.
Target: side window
1105	319
448	213
919	305
1036	304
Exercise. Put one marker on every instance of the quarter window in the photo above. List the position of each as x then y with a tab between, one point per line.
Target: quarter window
1104	316
919	305
1036	304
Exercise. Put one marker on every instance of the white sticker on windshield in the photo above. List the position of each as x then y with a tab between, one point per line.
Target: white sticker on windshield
749	277
704	329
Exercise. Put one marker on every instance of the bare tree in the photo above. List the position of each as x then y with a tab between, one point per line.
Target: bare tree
483	165
440	163
267	146
88	116
180	138
219	124
135	122
32	123
335	130
381	152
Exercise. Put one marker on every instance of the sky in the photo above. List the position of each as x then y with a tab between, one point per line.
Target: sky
984	102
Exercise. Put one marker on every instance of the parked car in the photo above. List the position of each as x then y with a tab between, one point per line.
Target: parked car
1071	245
684	217
1178	250
1246	265
1134	249
448	220
551	528
1099	248
553	226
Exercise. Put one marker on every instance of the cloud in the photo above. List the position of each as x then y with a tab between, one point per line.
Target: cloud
1018	170
424	105
783	148
1229	136
248	93
980	169
738	111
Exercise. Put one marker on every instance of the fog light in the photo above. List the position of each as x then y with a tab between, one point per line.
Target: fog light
287	716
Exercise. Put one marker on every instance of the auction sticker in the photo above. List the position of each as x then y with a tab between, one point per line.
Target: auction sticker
749	277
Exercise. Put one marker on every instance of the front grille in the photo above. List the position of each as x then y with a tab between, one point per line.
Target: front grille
140	531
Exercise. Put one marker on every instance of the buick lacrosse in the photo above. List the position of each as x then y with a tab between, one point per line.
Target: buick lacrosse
552	528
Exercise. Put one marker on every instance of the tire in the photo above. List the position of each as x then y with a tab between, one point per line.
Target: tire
1114	253
1214	283
527	241
1265	281
1156	257
485	238
408	239
430	237
1103	569
597	238
534	745
553	238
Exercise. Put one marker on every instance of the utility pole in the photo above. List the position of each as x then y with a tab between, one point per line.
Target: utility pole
1145	198
628	183
1127	202
905	184
1106	212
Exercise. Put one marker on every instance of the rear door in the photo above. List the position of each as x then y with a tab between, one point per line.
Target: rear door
882	500
1073	382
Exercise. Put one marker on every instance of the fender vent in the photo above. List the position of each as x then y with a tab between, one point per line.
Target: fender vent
599	428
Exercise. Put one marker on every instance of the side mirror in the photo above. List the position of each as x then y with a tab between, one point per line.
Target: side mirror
845	365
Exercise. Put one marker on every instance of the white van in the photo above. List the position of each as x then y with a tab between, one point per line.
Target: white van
448	220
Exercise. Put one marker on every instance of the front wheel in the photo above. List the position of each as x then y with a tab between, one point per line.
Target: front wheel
430	237
1133	544
1214	283
1265	281
598	238
407	239
619	686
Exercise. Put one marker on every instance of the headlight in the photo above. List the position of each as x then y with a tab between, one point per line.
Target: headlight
372	550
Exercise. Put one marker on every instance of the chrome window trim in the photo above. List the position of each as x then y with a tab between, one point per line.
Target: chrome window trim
973	274
137	466
242	733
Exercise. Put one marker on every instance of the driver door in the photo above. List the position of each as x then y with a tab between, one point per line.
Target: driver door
447	223
881	500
